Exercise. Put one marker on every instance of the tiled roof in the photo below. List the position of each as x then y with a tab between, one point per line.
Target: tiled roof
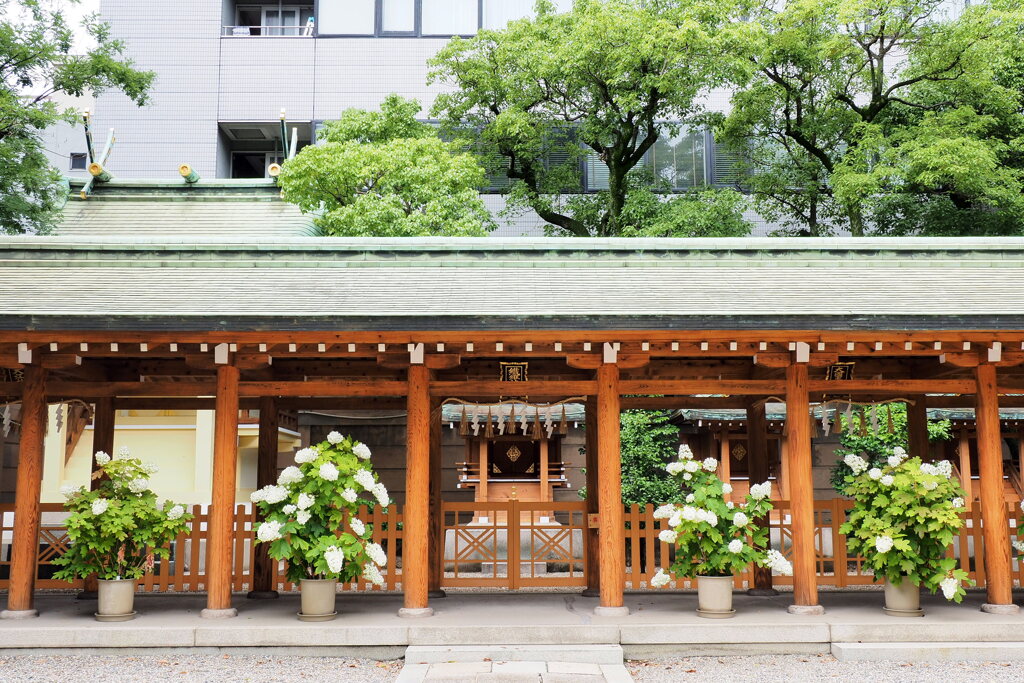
186	282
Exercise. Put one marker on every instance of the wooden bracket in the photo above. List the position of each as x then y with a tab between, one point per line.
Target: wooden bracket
435	361
592	361
784	360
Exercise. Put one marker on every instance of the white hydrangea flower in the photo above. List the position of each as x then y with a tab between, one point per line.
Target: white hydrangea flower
362	451
931	485
675	467
855	463
899	454
69	491
685	453
365	479
727	488
689	513
138	485
778	562
1022	506
100	505
709	517
377	554
957	502
676	519
668	536
875	473
883	544
306	455
949	586
664	511
887	480
102	457
335	558
372	574
302	516
350	495
150	468
928	468
175	512
357	526
735	545
691	465
945	468
687	476
335	438
274	494
710	464
1018	546
740	519
257	496
269	531
290	475
329	471
660	579
689	497
289	509
381	494
123	452
305	501
762	490
729	504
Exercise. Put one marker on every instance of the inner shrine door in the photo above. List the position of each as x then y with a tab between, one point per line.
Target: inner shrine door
514	544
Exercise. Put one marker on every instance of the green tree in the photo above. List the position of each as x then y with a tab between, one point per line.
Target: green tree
880	116
386	174
649	442
599	79
38	59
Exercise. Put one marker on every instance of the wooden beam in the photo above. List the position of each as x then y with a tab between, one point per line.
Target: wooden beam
263	587
917	426
490	388
339	387
801	495
903	387
25	539
415	543
592	361
730	387
995	528
757	467
612	547
222	505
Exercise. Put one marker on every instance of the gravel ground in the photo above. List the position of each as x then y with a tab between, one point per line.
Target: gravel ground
796	668
97	669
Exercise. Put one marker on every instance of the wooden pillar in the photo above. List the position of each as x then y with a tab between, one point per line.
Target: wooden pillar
611	517
25	539
593	589
995	527
221	519
416	515
966	475
917	427
724	451
436	515
757	466
266	474
103	425
801	495
545	475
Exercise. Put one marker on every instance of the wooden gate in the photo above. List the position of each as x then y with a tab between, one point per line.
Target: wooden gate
514	544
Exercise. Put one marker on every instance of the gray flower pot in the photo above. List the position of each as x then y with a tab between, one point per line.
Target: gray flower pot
116	598
318	597
714	597
903	599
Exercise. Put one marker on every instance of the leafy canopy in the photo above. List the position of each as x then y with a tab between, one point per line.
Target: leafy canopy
601	78
882	116
38	59
648	443
386	174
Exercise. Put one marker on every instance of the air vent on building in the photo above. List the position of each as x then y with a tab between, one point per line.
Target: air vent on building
247	134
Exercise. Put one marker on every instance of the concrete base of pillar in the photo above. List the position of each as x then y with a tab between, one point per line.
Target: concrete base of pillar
991	608
19	614
591	592
807	610
602	611
87	595
416	612
762	592
437	593
227	613
263	595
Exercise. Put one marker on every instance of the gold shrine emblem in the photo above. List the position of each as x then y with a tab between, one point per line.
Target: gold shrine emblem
840	371
514	372
739	452
513	454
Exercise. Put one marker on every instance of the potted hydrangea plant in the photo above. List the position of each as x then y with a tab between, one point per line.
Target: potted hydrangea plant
714	538
117	532
903	521
310	521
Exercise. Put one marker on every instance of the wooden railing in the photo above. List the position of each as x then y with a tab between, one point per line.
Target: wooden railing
185	569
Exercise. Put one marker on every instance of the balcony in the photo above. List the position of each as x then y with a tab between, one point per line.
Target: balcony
268	21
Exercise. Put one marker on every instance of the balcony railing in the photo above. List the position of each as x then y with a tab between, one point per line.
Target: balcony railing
305	31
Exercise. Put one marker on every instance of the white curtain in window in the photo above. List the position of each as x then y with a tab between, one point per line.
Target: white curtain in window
497	13
449	17
398	16
346	17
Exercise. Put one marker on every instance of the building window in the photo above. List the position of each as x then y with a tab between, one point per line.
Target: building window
79	161
679	159
276	19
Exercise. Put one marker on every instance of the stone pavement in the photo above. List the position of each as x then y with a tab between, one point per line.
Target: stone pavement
514	672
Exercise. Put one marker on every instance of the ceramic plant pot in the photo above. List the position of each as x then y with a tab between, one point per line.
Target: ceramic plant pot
903	599
714	597
318	596
116	598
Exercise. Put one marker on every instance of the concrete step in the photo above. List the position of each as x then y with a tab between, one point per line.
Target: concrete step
514	672
590	654
930	651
